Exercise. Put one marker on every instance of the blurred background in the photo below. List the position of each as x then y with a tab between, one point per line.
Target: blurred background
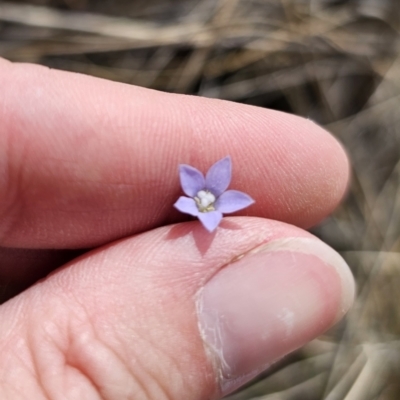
334	61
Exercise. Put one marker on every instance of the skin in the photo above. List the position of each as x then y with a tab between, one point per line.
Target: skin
91	164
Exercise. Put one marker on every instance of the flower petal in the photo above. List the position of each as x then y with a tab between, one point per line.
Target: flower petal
192	180
218	176
210	220
187	206
233	200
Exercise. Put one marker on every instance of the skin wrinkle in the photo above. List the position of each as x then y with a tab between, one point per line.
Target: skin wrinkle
81	368
155	376
141	345
64	354
85	373
134	374
19	394
36	369
24	363
36	342
155	380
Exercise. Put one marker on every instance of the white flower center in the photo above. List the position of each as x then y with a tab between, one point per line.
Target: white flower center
205	201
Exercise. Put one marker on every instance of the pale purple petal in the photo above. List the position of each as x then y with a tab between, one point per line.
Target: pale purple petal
233	200
218	176
192	180
187	206
210	220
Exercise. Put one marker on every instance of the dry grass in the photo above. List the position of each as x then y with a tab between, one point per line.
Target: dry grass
336	62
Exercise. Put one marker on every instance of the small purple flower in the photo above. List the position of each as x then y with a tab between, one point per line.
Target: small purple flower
208	198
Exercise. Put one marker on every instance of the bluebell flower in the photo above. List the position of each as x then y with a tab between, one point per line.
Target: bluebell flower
208	198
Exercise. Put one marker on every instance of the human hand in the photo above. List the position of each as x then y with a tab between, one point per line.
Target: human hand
154	310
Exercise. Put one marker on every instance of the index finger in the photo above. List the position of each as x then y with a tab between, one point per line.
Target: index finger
85	161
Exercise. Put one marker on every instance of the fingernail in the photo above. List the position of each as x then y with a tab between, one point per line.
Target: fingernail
270	302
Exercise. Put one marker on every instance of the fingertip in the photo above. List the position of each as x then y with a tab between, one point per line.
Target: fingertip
179	309
116	152
274	299
325	175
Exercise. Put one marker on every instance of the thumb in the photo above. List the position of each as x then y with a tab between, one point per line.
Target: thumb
175	313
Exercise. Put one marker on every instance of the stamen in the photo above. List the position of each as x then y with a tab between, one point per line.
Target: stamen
205	201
